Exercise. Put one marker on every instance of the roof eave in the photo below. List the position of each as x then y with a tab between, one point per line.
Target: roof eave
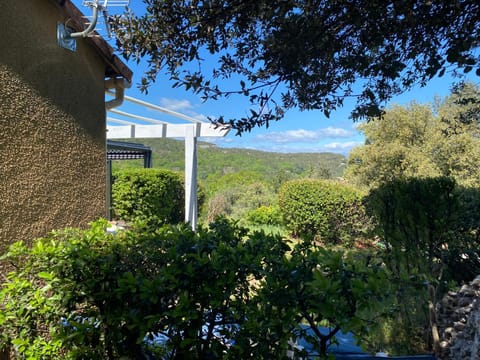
115	66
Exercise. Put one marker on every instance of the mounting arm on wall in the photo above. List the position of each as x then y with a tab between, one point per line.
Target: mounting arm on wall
91	27
65	35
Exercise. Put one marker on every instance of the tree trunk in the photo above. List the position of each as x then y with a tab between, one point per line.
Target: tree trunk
5	354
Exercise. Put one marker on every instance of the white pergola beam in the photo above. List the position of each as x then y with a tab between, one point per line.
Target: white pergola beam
137	117
162	131
119	121
157	108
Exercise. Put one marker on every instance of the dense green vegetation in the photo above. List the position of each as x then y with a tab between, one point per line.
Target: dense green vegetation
154	196
332	213
238	181
430	235
422	140
93	295
372	261
214	162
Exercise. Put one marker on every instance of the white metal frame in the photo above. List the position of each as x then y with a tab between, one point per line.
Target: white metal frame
131	125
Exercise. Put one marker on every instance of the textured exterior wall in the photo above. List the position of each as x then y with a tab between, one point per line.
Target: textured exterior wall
52	125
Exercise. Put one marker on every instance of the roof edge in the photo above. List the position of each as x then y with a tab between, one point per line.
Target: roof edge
115	66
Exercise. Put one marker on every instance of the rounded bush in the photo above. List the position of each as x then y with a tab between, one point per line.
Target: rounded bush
154	196
332	212
265	215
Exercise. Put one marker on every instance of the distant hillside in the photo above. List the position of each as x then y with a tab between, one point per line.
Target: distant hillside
216	161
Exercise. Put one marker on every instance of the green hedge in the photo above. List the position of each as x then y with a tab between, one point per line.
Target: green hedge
431	224
89	294
332	212
155	196
429	227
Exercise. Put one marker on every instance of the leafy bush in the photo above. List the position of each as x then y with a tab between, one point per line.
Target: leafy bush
155	196
221	204
180	294
422	221
89	294
315	287
265	215
239	199
330	211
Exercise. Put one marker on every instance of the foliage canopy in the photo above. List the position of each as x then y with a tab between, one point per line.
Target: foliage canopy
421	140
312	52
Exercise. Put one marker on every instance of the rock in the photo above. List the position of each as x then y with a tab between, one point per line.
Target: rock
467	291
476	282
459	323
444	344
449	332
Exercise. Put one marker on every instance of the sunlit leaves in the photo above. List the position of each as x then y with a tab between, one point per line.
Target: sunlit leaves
329	212
423	141
152	195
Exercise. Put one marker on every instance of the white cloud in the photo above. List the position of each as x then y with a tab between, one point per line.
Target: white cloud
289	136
305	136
334	147
334	132
342	146
176	104
182	106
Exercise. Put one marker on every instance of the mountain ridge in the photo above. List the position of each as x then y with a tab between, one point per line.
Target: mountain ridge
213	159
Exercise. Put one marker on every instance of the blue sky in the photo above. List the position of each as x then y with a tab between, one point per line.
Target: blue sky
298	132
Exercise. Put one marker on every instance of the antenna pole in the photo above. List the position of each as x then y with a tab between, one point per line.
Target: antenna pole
91	26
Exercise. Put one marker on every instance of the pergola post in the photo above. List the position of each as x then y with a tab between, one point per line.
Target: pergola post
191	175
147	127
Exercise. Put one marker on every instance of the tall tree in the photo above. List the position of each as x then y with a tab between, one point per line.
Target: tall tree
415	140
455	146
394	147
309	54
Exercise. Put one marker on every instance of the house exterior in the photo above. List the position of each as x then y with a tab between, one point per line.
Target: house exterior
52	121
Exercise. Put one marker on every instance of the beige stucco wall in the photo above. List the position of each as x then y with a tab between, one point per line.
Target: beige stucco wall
52	125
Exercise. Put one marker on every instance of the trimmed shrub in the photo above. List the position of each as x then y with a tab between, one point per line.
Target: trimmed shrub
430	224
154	196
265	215
332	212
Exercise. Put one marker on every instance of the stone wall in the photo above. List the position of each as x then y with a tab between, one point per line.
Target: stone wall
459	323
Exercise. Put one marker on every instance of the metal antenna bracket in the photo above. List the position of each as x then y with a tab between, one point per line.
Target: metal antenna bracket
63	37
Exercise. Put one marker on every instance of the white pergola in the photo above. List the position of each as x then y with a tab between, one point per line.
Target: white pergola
123	124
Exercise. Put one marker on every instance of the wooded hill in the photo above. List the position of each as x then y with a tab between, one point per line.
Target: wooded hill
214	161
